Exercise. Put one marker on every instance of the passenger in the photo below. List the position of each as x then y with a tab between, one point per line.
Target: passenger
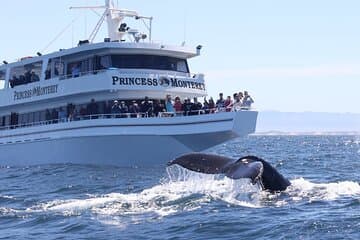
206	106
27	76
158	108
72	115
75	71
54	115
47	74
146	107
212	105
228	104
134	110
34	77
115	109
247	100
237	103
187	107
56	71
123	109
220	103
178	105
22	80
48	116
83	113
168	105
241	96
195	107
93	108
14	81
62	115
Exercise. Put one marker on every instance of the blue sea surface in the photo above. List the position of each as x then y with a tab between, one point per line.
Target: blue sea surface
106	202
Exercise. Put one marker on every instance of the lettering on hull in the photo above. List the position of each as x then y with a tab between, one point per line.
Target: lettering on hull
154	82
35	91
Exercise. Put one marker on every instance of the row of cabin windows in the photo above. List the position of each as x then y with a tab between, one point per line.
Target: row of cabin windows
69	69
23	119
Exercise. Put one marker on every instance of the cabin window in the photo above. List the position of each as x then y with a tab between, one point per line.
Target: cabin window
150	62
105	62
25	74
54	69
2	121
2	79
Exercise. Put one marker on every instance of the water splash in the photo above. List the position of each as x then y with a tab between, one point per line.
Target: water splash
181	191
302	189
184	191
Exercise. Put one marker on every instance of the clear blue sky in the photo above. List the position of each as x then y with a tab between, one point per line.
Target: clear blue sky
290	55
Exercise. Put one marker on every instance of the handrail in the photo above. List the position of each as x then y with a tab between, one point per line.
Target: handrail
122	115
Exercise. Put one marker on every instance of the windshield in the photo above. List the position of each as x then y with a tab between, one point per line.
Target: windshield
149	62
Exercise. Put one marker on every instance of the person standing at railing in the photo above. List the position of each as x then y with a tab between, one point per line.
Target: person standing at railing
247	100
124	110
187	107
206	106
178	105
212	105
115	109
55	116
92	108
146	107
220	103
62	115
134	109
75	70
228	104
196	107
169	105
236	106
47	116
158	107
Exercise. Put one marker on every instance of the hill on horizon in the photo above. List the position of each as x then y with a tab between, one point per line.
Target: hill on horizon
273	121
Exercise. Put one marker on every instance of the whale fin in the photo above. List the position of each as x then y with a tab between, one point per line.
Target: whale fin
271	179
245	169
204	163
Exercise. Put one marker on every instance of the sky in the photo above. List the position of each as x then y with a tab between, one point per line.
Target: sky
292	56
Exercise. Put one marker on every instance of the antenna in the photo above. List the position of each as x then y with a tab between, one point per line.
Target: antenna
185	25
59	35
114	18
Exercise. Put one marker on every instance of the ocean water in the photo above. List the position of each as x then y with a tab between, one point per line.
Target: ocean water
105	202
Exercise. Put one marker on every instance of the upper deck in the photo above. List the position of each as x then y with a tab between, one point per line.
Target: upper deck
131	70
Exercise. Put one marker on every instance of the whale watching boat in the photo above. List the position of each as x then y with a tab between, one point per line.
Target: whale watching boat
103	103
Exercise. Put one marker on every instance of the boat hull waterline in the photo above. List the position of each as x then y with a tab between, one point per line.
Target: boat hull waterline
122	142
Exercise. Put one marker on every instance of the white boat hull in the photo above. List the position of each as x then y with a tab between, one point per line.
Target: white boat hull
123	142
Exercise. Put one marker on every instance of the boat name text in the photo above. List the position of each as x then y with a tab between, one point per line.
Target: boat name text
35	91
162	81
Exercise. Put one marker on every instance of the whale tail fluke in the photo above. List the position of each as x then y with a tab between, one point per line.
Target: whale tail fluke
254	168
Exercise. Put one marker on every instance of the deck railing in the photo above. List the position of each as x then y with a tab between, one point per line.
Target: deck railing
122	115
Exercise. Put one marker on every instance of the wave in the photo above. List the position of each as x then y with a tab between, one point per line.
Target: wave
301	189
184	190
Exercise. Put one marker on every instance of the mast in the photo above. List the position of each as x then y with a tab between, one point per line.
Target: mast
117	29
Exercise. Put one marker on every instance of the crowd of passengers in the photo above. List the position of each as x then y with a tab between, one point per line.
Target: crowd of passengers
28	77
150	108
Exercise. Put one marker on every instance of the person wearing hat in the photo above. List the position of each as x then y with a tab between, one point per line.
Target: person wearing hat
115	109
134	109
124	109
146	107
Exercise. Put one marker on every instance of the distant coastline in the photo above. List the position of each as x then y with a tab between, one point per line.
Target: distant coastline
307	123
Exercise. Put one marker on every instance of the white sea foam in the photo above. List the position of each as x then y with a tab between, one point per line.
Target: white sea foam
184	190
303	189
